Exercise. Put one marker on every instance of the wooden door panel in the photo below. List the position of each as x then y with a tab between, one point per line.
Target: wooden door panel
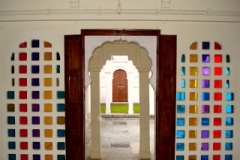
120	86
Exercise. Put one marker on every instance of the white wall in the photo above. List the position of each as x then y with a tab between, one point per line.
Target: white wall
216	20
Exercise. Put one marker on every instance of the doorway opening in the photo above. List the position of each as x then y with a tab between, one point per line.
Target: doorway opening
76	48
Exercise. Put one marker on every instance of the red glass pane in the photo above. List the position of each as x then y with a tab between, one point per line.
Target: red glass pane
217	58
22	56
22	69
217	70
24	145
23	95
216	157
217	46
217	134
217	121
23	107
217	96
23	45
217	109
22	81
217	83
23	120
24	157
23	132
216	146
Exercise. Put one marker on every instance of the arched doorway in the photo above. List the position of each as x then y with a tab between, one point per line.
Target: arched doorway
165	90
120	86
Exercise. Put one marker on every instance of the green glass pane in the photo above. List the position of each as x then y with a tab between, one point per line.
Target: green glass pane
10	94
228	58
60	94
12	57
12	69
183	58
61	157
58	68
57	81
58	56
61	145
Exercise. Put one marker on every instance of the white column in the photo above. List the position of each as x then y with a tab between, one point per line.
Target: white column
130	77
108	96
151	100
144	152
95	117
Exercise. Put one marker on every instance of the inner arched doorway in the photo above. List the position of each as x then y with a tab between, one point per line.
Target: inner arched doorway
165	90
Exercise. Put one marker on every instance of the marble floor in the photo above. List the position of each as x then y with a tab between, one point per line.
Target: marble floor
120	138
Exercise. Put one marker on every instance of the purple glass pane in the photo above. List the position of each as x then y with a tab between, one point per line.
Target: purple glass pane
205	45
205	108
205	70
35	107
36	145
35	56
36	157
35	120
205	58
35	95
205	83
204	146
36	133
35	82
35	69
205	134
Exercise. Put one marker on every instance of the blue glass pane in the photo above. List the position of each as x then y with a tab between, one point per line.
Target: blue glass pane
229	121
61	133
205	83
35	82
35	43
60	94
179	157
183	58
204	157
228	146
205	45
180	134
180	96
35	69
227	84
205	121
11	132
229	109
58	56
227	71
180	146
61	145
60	157
11	120
205	58
205	96
60	107
11	145
227	58
183	83
180	108
180	121
183	71
10	94
229	96
228	157
229	134
12	157
35	56
36	145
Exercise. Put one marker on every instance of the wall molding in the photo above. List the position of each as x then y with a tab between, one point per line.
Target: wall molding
119	15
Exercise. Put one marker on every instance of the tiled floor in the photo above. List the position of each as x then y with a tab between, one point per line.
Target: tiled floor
120	138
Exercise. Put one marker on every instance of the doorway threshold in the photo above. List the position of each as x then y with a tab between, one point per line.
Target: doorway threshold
123	116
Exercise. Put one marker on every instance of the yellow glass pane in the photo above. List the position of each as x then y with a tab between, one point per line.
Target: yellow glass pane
48	120
192	121
48	145
193	109
47	44
48	157
47	94
60	120
193	58
192	134
47	81
48	133
193	70
48	69
192	157
47	107
192	146
47	56
193	96
193	46
193	83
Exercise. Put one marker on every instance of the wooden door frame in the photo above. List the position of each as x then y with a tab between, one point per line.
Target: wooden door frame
165	110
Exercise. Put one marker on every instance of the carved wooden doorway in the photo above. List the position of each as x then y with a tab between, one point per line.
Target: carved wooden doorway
120	86
165	91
